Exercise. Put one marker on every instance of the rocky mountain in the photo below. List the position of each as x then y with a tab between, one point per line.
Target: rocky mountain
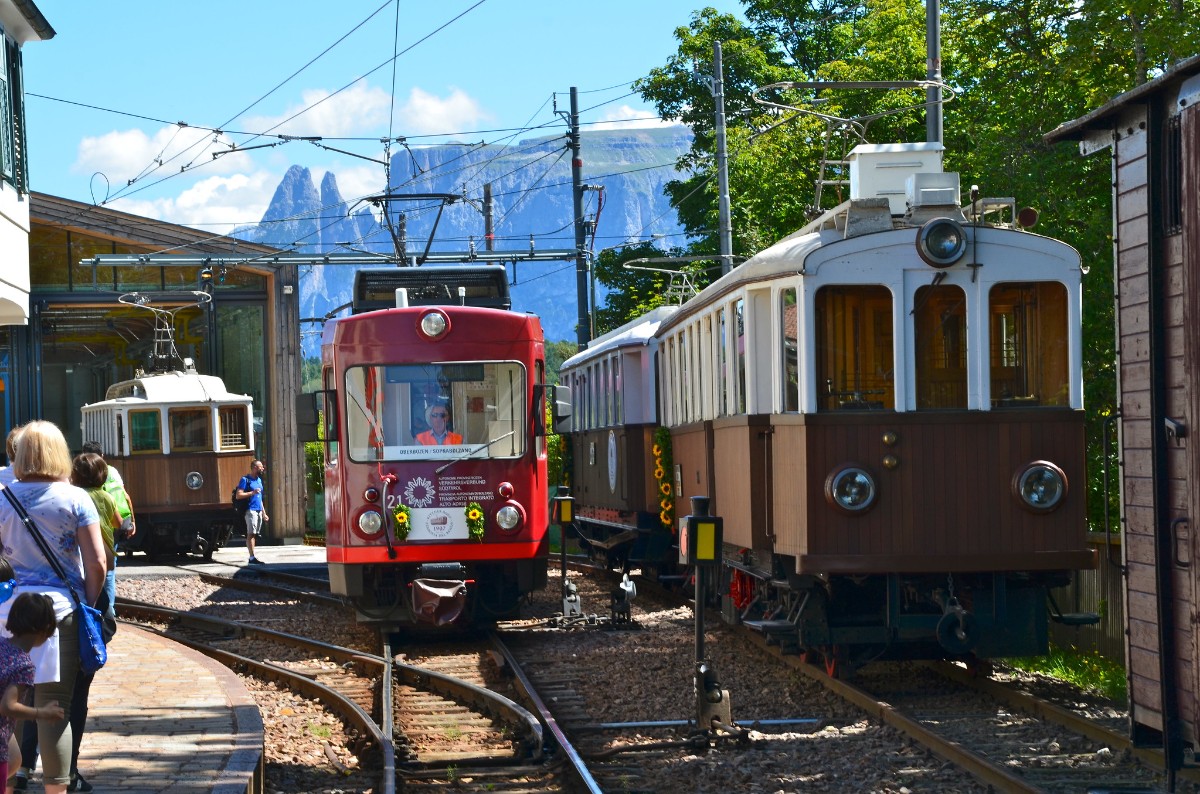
532	206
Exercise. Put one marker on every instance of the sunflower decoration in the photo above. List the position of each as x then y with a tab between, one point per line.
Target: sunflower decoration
402	516
662	475
474	515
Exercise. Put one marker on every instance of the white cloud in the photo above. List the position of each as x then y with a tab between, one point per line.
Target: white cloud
124	155
354	183
425	113
218	203
626	117
359	110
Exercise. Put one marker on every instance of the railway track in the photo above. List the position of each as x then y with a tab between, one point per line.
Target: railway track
1007	738
450	742
445	723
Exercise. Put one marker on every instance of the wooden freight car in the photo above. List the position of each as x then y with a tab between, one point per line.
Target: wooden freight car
1153	134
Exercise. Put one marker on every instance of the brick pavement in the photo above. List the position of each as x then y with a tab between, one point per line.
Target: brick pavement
164	718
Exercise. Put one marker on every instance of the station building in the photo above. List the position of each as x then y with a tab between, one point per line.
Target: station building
79	339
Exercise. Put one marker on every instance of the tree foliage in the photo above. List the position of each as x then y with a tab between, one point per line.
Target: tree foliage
1018	69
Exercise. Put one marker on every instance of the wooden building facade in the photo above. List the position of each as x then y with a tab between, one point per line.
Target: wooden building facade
80	339
1153	135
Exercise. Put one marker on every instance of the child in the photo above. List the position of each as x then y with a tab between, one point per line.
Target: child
31	621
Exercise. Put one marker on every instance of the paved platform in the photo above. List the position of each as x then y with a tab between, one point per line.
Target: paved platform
164	718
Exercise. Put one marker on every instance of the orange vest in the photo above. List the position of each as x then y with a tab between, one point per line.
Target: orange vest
427	439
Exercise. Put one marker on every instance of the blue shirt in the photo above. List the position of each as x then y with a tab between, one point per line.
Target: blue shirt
250	484
59	510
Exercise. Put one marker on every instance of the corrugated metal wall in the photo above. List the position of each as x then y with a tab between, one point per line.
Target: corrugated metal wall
1099	590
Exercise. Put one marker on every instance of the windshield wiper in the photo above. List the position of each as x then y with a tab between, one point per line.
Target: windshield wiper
479	448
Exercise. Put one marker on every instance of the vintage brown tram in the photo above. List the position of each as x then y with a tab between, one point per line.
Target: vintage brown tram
181	442
886	410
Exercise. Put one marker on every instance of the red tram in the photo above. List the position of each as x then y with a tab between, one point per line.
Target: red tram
434	430
885	409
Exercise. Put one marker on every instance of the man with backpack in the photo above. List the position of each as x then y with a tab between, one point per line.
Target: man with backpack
250	487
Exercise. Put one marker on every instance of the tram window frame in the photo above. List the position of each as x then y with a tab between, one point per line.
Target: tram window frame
723	401
855	356
739	310
138	434
789	350
618	396
942	351
606	386
194	440
478	414
233	422
1028	341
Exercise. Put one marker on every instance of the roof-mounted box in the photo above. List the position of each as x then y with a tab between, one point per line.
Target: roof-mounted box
881	170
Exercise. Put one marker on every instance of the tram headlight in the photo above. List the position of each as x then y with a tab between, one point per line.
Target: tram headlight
370	522
434	324
509	517
851	489
941	242
1039	486
194	480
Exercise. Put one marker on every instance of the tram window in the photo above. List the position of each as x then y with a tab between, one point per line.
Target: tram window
597	386
740	331
606	414
387	408
145	432
233	426
855	369
788	317
1027	324
618	403
723	401
190	429
685	374
940	320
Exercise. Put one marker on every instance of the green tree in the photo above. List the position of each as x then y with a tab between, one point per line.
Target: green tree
556	354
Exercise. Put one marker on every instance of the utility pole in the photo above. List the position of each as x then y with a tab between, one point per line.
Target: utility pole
489	234
402	238
583	333
933	71
725	226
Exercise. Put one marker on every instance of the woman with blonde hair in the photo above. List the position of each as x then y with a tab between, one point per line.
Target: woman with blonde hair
66	518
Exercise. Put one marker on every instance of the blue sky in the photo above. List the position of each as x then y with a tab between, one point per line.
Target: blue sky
475	67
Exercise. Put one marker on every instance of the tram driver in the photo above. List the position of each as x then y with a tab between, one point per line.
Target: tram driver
439	432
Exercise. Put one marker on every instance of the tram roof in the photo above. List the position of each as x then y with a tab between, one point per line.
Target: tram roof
638	331
172	387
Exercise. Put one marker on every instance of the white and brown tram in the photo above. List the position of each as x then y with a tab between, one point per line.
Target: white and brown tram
886	409
181	442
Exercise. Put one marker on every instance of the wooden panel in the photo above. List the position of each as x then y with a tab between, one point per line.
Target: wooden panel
690	447
157	483
1132	233
739	478
1131	173
635	464
1141	607
789	468
1189	400
949	501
